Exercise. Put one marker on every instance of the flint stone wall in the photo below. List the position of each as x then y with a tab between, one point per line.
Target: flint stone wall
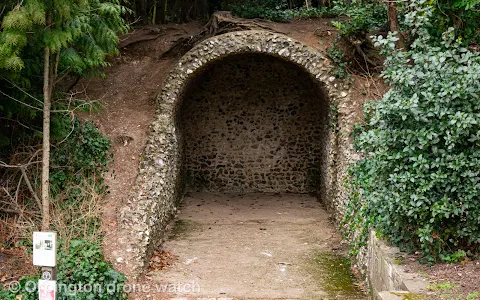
161	179
254	123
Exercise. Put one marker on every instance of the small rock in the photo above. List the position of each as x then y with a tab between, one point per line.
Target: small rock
120	260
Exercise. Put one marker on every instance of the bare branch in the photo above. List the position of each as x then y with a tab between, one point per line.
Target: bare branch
3	9
21	124
22	90
21	102
27	181
18	212
13	200
5	165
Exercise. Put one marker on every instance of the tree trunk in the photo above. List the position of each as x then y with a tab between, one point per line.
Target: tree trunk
393	24
141	10
47	101
161	11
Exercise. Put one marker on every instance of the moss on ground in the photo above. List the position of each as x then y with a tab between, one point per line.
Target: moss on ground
181	228
408	296
334	274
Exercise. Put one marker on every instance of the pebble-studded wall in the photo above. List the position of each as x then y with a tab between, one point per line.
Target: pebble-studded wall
161	178
254	123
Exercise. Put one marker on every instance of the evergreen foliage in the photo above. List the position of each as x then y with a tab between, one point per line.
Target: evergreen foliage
83	31
462	15
81	34
419	183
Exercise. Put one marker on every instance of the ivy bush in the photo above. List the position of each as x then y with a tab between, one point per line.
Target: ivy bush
463	15
419	181
336	55
85	264
84	154
81	267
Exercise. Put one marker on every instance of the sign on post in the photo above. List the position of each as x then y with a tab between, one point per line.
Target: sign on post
45	256
44	249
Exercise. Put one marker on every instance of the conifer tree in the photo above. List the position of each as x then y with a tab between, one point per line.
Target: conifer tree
57	37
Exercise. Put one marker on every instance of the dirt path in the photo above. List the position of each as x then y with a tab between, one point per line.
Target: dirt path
253	246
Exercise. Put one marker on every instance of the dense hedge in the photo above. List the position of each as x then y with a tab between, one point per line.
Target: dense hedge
419	181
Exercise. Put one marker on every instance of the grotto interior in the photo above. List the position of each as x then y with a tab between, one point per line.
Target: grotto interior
253	123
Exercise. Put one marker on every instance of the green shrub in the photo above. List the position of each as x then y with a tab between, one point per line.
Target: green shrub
463	15
336	55
23	291
265	9
81	267
419	180
83	155
85	264
316	12
362	19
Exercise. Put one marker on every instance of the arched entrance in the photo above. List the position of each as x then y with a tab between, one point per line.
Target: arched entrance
290	146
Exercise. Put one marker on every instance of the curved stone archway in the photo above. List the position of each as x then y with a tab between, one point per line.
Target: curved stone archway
161	178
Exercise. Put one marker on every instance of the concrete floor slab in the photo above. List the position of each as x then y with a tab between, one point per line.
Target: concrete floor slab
255	246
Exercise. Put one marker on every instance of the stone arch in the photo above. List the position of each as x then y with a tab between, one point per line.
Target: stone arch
160	181
253	41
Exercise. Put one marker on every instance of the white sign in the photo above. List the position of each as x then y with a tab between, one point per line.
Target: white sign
45	249
47	289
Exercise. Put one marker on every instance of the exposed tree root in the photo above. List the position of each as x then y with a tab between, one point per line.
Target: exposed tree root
221	22
140	35
360	52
